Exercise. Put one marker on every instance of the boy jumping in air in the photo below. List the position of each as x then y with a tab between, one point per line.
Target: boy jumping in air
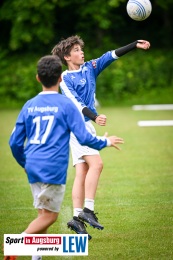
79	84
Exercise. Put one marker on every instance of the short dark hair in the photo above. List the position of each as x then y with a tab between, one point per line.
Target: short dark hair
64	47
49	69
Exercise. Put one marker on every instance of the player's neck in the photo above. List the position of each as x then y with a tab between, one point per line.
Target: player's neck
53	88
73	67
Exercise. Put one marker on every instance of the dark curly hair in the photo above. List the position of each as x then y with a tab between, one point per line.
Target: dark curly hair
49	69
64	47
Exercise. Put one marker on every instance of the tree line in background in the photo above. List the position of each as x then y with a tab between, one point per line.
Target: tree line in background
30	29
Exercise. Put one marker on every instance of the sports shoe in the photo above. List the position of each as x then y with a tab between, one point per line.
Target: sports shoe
10	257
78	226
90	217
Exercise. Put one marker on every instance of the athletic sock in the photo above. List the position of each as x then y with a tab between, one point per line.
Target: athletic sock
89	204
36	257
76	212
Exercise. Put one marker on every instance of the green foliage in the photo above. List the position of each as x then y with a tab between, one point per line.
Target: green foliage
33	25
30	29
137	73
18	82
134	74
164	4
31	21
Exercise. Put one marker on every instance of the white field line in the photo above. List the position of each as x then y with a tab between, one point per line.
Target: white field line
155	123
153	107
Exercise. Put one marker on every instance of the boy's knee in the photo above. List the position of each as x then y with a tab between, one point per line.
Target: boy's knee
54	217
98	166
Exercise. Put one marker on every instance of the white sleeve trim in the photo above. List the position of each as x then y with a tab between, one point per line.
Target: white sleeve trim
114	55
103	138
70	95
108	142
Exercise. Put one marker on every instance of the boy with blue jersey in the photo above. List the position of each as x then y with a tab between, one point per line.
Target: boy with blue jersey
45	123
79	84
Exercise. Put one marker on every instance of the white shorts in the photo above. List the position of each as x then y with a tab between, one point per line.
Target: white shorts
47	196
79	150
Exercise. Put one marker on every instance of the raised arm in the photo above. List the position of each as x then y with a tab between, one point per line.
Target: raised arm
141	44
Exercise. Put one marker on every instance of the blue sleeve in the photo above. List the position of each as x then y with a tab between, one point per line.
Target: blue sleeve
77	126
17	140
103	62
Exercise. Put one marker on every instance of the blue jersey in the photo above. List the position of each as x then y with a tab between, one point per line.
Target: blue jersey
45	123
80	85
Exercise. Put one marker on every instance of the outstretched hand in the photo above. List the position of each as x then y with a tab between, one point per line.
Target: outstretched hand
142	44
114	140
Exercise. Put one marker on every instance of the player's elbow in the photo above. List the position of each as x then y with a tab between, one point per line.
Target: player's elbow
82	142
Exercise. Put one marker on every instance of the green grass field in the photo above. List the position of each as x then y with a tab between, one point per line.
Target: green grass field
134	198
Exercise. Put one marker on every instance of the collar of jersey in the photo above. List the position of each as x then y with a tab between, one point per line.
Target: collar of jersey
48	92
71	71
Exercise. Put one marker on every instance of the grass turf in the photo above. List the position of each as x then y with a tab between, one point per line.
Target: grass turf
134	197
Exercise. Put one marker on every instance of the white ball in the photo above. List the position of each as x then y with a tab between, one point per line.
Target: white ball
139	10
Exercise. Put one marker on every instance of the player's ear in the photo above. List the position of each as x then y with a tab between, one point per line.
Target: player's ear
37	78
67	58
60	79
